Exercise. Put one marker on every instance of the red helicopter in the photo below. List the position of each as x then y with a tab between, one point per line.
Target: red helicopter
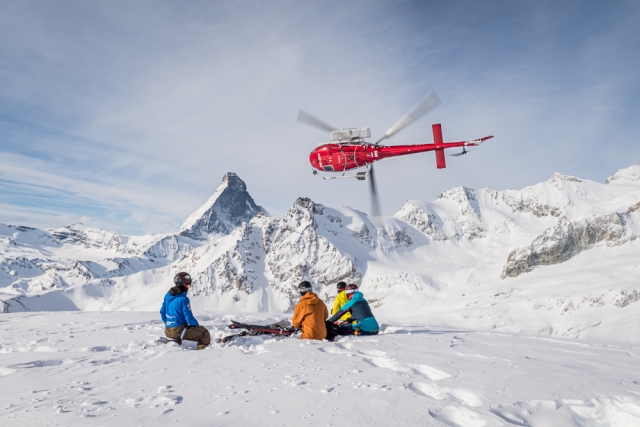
349	150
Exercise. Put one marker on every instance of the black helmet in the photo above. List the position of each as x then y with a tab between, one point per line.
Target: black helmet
341	285
304	287
182	279
351	288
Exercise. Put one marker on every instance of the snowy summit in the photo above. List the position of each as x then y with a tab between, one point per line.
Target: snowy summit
228	207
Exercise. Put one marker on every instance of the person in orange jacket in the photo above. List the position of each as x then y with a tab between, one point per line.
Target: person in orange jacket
310	314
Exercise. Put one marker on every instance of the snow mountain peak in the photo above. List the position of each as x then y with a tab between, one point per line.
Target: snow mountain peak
228	207
234	182
630	174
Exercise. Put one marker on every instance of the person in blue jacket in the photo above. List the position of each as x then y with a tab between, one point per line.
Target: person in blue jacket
361	322
177	316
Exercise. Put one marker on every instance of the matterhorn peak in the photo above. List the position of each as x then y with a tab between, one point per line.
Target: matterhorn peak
228	207
234	182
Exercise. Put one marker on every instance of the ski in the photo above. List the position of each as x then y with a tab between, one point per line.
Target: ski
279	326
276	329
226	339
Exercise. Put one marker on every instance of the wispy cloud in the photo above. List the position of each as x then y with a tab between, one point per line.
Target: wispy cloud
128	115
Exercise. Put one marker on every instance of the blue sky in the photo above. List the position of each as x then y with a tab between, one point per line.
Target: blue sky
126	115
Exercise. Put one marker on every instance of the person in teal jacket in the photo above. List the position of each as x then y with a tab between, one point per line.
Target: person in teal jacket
362	321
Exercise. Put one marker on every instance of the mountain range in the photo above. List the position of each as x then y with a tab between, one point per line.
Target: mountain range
556	258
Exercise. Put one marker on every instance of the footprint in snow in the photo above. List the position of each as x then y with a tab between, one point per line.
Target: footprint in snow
382	361
431	373
433	391
388	363
346	345
375	353
565	412
37	364
458	417
334	350
6	371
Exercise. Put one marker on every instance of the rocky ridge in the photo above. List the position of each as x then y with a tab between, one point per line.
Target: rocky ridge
567	239
228	207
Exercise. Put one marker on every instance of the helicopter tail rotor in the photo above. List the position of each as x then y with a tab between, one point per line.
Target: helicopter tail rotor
462	153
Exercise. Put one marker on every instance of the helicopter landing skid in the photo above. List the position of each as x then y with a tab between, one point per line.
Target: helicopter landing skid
360	176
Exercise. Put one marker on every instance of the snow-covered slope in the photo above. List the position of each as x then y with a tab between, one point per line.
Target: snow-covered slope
91	368
557	258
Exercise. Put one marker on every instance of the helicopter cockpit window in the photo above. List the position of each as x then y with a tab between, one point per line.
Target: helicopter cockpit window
328	168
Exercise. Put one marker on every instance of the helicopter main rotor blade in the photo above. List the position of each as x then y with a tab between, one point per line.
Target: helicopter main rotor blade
427	104
307	118
375	203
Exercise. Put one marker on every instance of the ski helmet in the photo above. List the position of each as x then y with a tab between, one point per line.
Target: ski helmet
304	287
351	289
182	279
341	285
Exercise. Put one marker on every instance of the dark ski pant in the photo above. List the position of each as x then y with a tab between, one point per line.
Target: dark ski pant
193	333
344	329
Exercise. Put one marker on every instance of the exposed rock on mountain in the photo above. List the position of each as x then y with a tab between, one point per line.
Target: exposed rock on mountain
88	237
298	253
230	206
533	200
398	235
427	222
469	221
170	248
567	239
233	264
627	175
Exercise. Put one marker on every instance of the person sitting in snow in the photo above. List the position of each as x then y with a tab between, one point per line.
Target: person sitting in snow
361	321
177	316
309	314
341	299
